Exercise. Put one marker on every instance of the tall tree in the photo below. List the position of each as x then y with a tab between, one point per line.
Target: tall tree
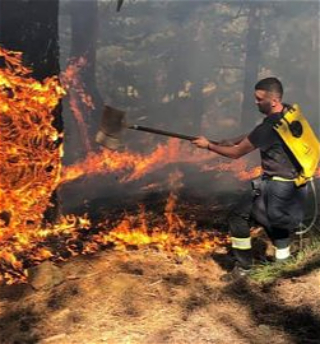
251	67
84	26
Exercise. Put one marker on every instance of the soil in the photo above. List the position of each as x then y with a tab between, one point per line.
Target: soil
146	297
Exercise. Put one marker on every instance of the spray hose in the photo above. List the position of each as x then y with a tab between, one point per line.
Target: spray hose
303	228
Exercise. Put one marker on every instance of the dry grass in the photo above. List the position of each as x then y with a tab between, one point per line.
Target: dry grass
145	297
304	259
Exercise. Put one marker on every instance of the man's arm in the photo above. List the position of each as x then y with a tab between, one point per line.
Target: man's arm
233	152
234	141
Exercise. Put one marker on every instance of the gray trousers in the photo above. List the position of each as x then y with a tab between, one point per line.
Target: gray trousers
278	206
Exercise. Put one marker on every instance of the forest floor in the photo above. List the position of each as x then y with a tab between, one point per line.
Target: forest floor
143	297
146	296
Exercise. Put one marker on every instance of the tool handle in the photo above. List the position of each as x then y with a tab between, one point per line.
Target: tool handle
165	133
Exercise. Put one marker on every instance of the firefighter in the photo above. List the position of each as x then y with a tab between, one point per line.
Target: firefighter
278	196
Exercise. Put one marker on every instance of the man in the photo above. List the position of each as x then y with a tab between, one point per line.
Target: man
277	204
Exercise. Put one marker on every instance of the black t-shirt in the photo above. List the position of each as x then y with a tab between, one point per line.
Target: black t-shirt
276	158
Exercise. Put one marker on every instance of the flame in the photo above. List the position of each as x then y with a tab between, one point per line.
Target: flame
72	83
239	168
31	170
174	236
136	165
151	186
30	151
73	235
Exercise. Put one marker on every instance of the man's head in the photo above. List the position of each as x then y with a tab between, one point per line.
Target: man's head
268	95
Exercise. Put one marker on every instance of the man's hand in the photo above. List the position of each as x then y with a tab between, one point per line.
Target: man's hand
201	142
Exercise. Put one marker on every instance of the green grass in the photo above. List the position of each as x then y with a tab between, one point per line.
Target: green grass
304	259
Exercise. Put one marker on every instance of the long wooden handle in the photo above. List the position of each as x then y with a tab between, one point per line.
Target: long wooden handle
164	133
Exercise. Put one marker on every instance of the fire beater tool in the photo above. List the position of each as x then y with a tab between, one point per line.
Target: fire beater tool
113	123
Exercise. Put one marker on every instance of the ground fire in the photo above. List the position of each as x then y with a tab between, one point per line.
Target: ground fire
31	170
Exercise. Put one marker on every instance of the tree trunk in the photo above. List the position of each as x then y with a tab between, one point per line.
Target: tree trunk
312	74
84	25
32	28
251	69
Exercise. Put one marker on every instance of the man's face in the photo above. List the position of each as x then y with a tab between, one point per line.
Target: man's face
263	101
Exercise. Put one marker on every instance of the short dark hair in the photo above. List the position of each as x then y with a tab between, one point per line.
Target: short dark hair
270	85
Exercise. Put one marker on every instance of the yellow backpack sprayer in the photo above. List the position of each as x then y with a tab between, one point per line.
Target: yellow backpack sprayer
299	137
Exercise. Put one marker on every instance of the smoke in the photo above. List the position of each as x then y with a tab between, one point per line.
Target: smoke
180	65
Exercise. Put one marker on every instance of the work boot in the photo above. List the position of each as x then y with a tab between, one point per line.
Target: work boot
237	273
282	255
